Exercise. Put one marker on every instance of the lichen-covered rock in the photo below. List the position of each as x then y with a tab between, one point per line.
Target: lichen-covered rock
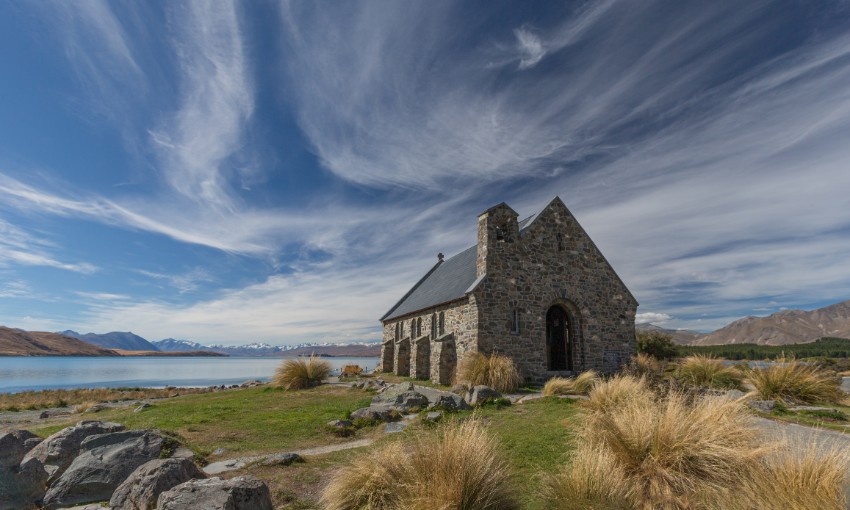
22	481
450	402
58	451
479	394
383	412
240	493
105	461
142	488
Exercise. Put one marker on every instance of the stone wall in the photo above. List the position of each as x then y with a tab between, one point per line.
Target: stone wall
459	337
553	262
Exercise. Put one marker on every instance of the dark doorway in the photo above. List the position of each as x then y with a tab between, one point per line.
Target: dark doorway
558	339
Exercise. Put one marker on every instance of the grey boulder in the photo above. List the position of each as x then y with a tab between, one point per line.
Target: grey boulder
240	493
22	481
58	451
479	394
450	402
105	461
142	488
384	412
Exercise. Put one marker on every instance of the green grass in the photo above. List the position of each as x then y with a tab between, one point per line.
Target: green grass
535	437
243	421
835	419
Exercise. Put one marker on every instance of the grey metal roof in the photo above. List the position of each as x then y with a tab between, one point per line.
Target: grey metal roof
447	281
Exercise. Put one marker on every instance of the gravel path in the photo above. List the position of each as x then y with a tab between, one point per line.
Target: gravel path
222	466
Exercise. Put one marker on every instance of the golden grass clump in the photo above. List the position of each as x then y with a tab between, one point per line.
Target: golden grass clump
301	372
593	480
708	372
810	475
496	371
580	385
795	382
457	468
647	366
616	391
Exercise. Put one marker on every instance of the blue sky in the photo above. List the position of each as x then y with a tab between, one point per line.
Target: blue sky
283	172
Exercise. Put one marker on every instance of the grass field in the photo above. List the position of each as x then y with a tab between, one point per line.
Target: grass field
535	437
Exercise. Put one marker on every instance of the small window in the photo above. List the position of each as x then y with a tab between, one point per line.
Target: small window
560	242
515	321
418	327
442	326
413	329
397	332
433	325
500	234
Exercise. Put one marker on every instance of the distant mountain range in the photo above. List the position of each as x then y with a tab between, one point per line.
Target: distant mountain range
17	342
115	340
364	349
781	328
785	327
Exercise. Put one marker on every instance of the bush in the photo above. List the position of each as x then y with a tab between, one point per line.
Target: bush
806	477
671	453
457	469
300	373
496	371
794	382
580	385
619	390
707	372
646	366
656	344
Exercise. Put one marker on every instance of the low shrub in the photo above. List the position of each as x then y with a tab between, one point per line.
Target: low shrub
616	391
795	382
301	372
707	372
656	344
672	453
805	477
496	371
456	468
580	385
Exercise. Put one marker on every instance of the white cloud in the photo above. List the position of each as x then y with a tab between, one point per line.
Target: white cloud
18	247
530	48
652	317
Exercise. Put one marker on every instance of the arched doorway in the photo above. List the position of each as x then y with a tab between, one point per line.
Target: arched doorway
558	349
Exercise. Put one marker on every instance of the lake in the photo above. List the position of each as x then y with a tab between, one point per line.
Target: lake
40	373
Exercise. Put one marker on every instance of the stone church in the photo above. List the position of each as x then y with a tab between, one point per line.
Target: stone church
536	290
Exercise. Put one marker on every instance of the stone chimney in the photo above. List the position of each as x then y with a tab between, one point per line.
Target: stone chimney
497	231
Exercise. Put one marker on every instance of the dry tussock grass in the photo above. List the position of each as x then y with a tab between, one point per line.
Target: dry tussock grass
580	385
301	372
618	390
593	480
794	382
708	372
647	366
30	400
496	371
458	468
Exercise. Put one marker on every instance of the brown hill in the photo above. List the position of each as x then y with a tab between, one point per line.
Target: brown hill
785	327
17	342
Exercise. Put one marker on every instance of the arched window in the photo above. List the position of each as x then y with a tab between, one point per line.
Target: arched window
441	330
413	329
433	325
418	327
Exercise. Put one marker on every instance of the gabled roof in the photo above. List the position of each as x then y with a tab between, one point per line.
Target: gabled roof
447	281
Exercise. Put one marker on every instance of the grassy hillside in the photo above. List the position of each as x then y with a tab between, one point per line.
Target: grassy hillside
16	342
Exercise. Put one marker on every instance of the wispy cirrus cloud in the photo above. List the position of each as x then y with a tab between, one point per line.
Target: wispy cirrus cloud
18	247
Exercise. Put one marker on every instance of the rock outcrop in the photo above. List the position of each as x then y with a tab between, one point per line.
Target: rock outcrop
240	493
141	490
105	461
58	451
479	394
22	482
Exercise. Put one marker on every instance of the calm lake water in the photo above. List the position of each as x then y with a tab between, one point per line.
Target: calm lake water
37	373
